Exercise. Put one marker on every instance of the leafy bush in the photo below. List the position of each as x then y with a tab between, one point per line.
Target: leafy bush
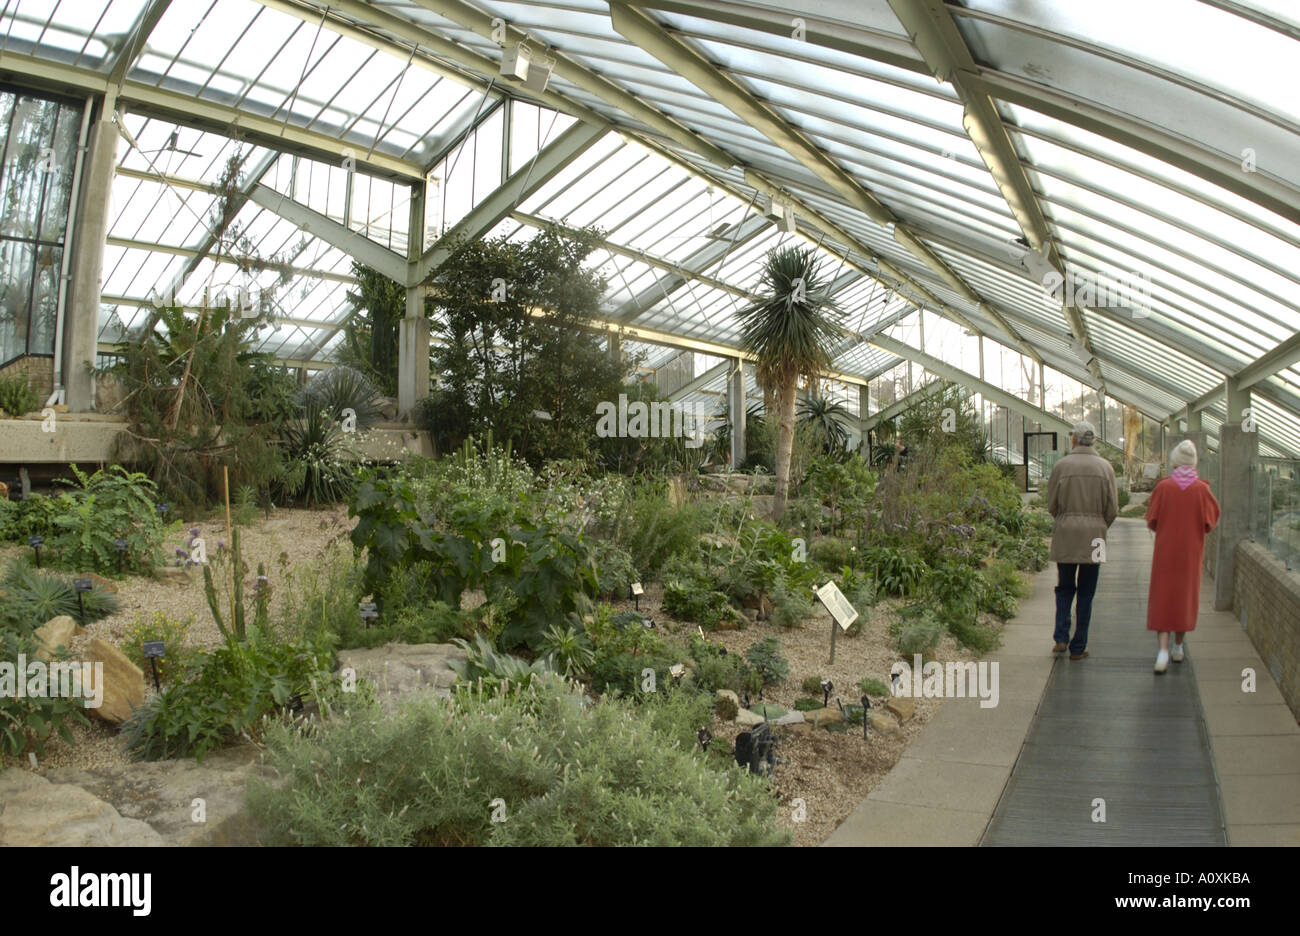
31	516
317	602
895	571
110	504
831	554
30	721
652	530
623	648
1123	498
812	685
808	704
765	657
231	692
689	595
919	636
1028	554
172	632
615	570
316	468
789	608
714	668
486	667
569	650
607	775
17	398
1004	587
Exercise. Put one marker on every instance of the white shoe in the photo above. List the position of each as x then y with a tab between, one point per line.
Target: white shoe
1176	653
1162	661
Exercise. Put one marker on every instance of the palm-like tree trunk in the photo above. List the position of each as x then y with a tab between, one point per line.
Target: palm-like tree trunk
784	445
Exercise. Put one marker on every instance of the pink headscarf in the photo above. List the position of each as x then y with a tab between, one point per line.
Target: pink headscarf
1184	476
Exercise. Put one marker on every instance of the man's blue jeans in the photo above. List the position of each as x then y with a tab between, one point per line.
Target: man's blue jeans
1073	579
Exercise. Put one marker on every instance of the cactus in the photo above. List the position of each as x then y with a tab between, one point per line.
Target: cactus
237	629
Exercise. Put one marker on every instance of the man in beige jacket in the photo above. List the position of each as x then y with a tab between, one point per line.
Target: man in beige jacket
1083	501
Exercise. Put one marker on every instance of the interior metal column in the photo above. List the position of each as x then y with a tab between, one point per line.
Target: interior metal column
413	349
736	410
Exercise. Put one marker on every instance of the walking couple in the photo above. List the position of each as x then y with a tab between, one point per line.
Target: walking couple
1083	501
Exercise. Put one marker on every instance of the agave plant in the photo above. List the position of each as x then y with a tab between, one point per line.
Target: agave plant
314	447
828	419
789	331
344	388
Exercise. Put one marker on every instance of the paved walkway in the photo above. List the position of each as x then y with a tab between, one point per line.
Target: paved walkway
1183	758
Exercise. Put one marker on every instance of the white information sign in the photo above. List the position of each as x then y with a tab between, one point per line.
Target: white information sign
839	607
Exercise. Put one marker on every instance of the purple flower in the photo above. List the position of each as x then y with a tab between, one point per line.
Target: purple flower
194	531
182	554
221	544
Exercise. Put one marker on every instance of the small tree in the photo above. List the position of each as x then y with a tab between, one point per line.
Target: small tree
789	332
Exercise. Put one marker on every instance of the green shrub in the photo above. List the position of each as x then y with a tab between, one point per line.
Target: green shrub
870	686
812	685
568	649
1123	498
17	398
172	632
790	608
28	722
31	516
766	658
808	704
652	530
487	668
317	469
232	690
831	554
564	775
615	570
896	571
919	636
1028	554
716	669
102	507
690	595
1003	589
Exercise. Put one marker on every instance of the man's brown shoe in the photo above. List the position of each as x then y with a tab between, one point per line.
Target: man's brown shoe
1078	656
1060	648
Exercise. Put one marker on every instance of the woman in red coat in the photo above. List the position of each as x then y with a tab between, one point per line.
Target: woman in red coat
1181	511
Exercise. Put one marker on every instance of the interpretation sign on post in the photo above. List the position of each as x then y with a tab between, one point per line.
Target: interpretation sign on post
842	613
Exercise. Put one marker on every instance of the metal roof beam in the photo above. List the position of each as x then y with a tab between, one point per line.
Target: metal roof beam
548	163
941	44
351	242
483	23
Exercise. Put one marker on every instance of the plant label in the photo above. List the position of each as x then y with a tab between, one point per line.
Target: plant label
153	649
637	590
839	607
83	584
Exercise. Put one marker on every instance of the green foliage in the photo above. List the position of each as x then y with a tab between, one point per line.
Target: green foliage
896	571
315	449
172	632
533	572
811	685
690	595
339	389
112	503
1123	498
245	508
870	686
829	420
921	634
714	668
608	775
370	339
766	658
790	608
232	691
199	400
28	722
831	554
17	398
33	596
1028	554
1004	588
32	516
652	530
229	570
486	667
569	649
623	647
317	601
501	364
615	569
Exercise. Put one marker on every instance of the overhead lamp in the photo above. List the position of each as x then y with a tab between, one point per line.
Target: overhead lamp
540	68
515	61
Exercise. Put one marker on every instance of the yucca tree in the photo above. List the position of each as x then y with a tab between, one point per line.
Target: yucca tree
789	331
829	419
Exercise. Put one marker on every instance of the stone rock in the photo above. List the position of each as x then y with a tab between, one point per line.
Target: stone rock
728	694
162	794
178	574
823	716
399	670
791	718
747	719
903	709
725	708
885	725
55	633
123	684
34	811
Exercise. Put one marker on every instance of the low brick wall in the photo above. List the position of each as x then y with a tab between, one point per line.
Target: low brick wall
1266	597
39	372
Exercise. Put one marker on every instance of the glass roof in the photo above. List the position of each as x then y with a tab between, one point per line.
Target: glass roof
1150	144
